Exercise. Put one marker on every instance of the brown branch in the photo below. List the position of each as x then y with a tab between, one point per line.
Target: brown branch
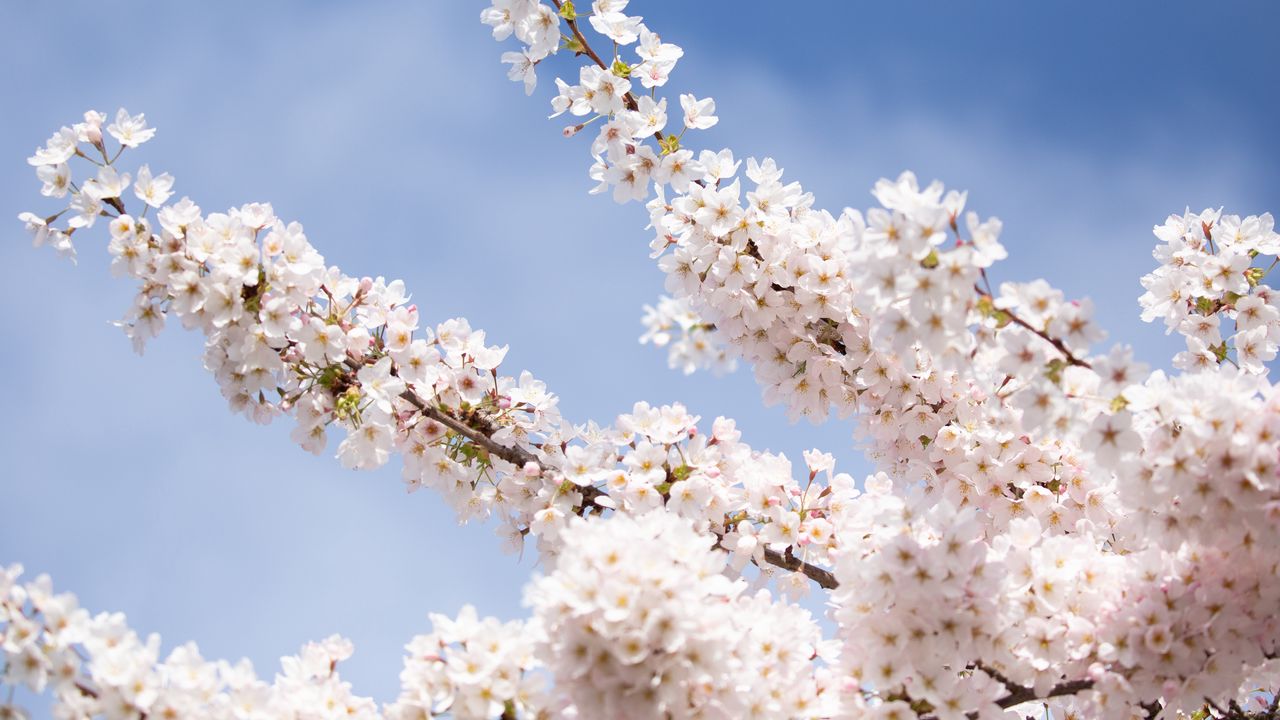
86	690
1020	694
1055	342
515	456
787	561
590	494
582	40
628	99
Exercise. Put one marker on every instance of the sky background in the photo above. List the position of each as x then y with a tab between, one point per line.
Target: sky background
390	131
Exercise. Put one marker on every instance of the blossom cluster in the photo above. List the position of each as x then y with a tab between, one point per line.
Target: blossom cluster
640	621
1206	473
923	594
698	345
96	666
1207	274
469	667
934	614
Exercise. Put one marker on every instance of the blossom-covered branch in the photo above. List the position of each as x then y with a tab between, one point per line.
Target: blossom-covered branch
994	427
1048	525
97	666
285	335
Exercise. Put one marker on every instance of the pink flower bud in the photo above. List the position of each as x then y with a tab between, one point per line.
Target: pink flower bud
366	284
93	127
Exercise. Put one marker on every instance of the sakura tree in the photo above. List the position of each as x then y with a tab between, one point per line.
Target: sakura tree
1052	529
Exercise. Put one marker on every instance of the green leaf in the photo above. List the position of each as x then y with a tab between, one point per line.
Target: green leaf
1053	370
1219	351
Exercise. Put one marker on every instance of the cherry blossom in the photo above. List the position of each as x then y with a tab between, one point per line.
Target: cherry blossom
1050	526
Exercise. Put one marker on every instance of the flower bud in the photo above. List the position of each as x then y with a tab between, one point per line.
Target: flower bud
93	127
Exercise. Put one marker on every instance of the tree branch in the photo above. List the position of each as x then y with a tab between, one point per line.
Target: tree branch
514	455
1055	342
825	578
1020	693
628	99
590	493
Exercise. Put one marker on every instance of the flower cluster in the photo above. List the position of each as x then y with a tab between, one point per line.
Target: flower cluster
640	622
925	608
1206	473
535	25
698	346
468	668
98	667
935	615
1207	274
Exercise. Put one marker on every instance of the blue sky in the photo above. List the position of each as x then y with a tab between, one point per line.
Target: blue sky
390	131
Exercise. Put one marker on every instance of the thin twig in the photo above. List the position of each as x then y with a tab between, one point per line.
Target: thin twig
1055	342
590	494
628	99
